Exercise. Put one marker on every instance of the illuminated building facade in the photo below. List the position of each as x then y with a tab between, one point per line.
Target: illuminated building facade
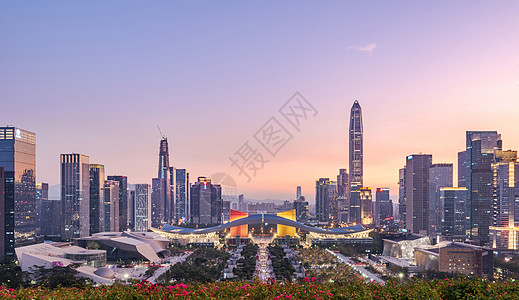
18	158
142	207
157	202
111	203
401	197
182	195
505	202
356	150
366	205
284	230
163	174
452	213
440	175
417	193
206	202
75	196
383	207
241	230
123	201
97	198
42	194
322	199
480	155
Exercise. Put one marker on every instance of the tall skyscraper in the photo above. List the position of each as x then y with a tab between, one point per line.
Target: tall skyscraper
123	201
182	195
332	202
452	201
480	155
383	207
343	195
75	196
51	218
163	174
505	203
322	199
298	192
206	202
172	217
440	175
417	193
157	203
142	207
356	162
97	198
18	158
111	193
131	208
301	207
401	197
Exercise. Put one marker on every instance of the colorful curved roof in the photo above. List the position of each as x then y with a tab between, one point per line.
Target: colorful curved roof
262	218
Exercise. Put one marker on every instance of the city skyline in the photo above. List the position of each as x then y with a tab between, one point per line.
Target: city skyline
420	90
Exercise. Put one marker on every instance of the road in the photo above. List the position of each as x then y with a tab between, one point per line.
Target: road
264	270
361	270
172	260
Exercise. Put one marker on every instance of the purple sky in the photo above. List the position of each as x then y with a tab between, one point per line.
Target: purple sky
97	77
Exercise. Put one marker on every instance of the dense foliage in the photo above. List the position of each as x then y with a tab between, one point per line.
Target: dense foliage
281	265
247	264
356	288
204	265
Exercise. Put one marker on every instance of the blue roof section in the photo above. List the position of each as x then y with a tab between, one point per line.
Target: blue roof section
262	218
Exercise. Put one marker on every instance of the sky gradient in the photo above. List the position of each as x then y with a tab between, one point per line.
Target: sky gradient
97	77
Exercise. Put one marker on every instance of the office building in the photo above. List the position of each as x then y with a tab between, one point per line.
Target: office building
417	193
163	173
42	194
505	203
452	213
75	196
401	197
480	155
182	195
157	203
123	201
440	175
97	198
172	216
301	207
356	175
111	204
366	206
131	208
383	207
18	158
142	207
322	199
298	192
241	203
462	169
206	202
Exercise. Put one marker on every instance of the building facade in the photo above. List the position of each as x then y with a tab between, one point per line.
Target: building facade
111	204
383	207
18	158
142	207
123	200
322	199
417	193
206	202
452	216
97	198
480	155
401	197
75	196
182	195
366	205
440	175
356	161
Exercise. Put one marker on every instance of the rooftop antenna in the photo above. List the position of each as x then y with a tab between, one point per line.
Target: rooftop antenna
160	132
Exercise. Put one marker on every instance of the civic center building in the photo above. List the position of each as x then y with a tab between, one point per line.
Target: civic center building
238	231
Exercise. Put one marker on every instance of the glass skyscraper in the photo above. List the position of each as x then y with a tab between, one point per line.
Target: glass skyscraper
417	193
18	158
97	208
182	195
75	196
440	175
142	207
206	202
123	201
356	176
480	155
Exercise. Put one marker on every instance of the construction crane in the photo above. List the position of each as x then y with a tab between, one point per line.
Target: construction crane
160	132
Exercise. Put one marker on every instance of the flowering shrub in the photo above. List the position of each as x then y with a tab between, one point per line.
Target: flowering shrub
308	288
